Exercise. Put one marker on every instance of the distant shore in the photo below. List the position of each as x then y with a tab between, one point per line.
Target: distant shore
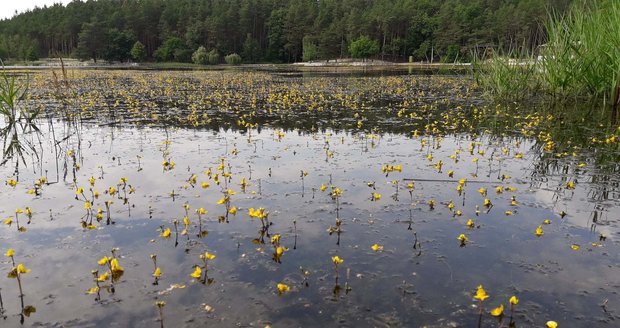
319	65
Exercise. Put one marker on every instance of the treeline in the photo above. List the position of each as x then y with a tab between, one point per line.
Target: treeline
274	30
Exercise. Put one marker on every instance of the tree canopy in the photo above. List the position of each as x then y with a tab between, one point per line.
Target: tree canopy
274	30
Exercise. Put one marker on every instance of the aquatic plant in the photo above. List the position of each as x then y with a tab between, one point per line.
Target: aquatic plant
582	55
19	120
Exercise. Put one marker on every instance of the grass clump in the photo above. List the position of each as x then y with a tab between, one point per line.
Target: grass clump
18	119
582	55
505	78
581	59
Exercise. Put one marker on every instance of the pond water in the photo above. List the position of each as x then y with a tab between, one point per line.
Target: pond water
341	164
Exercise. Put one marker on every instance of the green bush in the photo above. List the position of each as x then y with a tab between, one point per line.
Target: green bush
200	56
213	57
138	52
233	59
364	47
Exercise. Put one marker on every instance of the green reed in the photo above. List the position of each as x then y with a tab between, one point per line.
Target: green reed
19	120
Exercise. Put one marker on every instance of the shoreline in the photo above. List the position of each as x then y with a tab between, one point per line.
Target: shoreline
323	65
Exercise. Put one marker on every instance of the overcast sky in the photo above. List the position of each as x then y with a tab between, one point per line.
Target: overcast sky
8	7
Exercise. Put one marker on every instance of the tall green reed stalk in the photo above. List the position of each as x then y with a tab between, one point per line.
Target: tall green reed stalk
581	60
18	119
509	76
582	55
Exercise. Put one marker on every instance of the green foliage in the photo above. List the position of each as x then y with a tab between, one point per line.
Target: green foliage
31	54
364	47
582	55
504	78
90	45
138	52
581	59
251	50
275	30
311	51
233	59
452	54
119	45
173	49
213	57
19	120
200	56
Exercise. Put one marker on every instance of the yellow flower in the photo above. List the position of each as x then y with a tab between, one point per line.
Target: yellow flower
79	191
481	294
8	221
323	187
275	239
376	247
112	191
87	205
115	266
470	223
186	221
552	324
205	185
232	210
337	260
104	260
496	312
197	273
202	211
93	290
165	233
280	250
547	221
508	213
22	269
11	182
514	300
482	191
257	213
19	211
160	304
282	288
157	272
462	238
209	256
539	231
575	247
9	252
570	185
221	201
487	202
103	277
376	196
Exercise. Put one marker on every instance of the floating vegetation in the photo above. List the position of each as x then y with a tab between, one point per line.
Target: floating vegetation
268	199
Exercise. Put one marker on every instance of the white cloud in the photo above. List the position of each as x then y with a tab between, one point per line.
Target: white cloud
8	8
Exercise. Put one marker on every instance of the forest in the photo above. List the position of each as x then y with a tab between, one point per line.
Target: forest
278	31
